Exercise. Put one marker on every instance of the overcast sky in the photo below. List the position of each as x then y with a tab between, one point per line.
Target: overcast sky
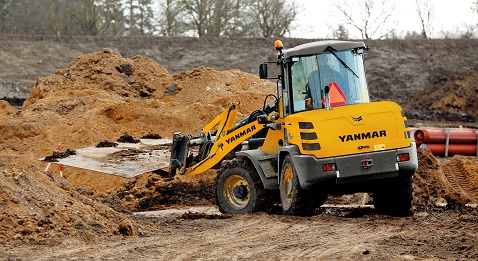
319	16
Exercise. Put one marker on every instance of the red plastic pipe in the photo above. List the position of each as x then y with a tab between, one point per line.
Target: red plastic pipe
453	149
457	136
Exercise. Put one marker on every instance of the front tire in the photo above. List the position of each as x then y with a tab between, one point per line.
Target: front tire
239	190
294	199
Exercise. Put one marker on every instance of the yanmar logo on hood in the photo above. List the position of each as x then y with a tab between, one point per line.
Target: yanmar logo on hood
363	135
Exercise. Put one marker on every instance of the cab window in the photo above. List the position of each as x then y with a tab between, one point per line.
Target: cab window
342	70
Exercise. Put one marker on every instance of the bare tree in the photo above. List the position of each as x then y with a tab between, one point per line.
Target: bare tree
140	17
341	33
371	18
87	17
413	35
230	18
55	17
99	17
238	25
170	21
425	10
61	17
272	17
31	17
145	17
464	31
112	18
26	17
208	17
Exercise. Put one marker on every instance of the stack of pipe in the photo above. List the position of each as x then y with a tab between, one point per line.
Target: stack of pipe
447	142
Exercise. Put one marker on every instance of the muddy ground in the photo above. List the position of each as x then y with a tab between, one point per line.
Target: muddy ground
99	95
332	234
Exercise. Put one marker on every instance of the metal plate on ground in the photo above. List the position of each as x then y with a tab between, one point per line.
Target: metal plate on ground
178	212
126	159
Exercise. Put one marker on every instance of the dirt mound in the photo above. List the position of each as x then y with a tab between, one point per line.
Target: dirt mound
459	93
104	71
97	97
445	181
37	204
452	99
101	96
462	175
429	185
6	109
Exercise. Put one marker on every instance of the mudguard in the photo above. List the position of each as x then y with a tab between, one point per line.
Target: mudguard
265	166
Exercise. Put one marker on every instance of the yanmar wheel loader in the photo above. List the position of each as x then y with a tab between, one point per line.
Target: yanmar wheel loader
319	135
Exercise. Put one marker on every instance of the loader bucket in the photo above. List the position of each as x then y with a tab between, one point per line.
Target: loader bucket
127	160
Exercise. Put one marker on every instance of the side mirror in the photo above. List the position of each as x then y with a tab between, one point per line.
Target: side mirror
263	71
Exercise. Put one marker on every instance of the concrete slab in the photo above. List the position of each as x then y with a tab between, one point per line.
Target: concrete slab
127	160
179	211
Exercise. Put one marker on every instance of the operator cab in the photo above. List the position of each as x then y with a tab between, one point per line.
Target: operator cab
309	71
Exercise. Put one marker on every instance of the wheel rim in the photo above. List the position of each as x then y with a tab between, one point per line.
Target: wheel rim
237	191
287	184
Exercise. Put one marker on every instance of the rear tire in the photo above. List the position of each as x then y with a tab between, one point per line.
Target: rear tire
395	198
294	199
239	189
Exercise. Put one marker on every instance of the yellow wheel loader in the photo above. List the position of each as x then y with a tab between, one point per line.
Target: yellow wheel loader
320	135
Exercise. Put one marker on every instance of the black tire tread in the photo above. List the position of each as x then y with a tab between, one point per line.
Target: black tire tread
305	202
263	200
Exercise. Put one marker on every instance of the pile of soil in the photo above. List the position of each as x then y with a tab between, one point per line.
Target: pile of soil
6	109
453	99
439	182
97	97
37	205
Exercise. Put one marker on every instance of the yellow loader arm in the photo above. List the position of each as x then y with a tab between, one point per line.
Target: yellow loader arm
214	146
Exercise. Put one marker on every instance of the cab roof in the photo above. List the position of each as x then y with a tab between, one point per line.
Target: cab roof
320	46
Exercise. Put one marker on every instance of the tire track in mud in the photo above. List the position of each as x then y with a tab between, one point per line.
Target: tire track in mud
255	237
462	181
281	238
273	237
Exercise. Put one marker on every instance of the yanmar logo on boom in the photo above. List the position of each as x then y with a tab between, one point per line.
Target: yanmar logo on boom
241	134
363	135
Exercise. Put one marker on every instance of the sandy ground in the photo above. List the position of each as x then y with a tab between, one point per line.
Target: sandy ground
332	234
86	215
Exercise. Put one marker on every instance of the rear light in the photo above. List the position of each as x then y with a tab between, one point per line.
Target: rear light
328	167
403	157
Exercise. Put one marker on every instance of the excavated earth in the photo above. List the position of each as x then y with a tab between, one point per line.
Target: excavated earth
101	95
